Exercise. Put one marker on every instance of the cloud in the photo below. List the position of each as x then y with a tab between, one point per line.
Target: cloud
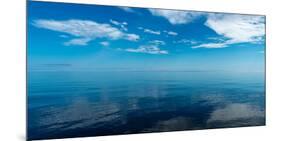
221	43
220	39
146	30
84	31
149	49
185	41
118	23
235	29
211	45
77	41
122	25
175	16
152	32
234	112
132	37
171	33
104	43
157	42
127	9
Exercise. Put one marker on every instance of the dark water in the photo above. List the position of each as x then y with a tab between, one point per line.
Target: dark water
75	104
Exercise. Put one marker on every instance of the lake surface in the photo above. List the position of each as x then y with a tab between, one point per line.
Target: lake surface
75	104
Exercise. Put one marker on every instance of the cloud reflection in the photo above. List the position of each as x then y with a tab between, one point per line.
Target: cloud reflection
236	114
173	124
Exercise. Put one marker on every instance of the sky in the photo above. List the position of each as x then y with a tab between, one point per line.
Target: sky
96	37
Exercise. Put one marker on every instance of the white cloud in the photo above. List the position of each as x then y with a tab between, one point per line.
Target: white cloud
220	39
235	29
84	30
122	25
152	31
104	43
220	44
77	41
146	30
172	33
234	112
149	49
115	22
157	42
132	37
175	16
186	41
127	9
211	45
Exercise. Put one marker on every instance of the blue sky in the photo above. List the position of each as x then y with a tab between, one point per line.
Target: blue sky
93	37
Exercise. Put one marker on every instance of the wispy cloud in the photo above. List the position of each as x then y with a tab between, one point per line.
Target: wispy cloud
172	33
132	37
151	31
104	43
84	31
219	39
127	9
235	29
151	48
185	41
211	45
78	41
157	42
122	25
176	17
148	49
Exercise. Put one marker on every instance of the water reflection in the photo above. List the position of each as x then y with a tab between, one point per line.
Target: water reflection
79	114
173	124
236	114
94	107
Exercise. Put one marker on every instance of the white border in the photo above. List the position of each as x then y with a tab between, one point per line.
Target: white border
12	76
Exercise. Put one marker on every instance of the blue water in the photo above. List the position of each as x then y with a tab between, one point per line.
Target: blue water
78	103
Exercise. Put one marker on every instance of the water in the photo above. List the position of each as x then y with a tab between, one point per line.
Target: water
75	104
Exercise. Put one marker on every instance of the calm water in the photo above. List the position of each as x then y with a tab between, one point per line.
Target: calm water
74	104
